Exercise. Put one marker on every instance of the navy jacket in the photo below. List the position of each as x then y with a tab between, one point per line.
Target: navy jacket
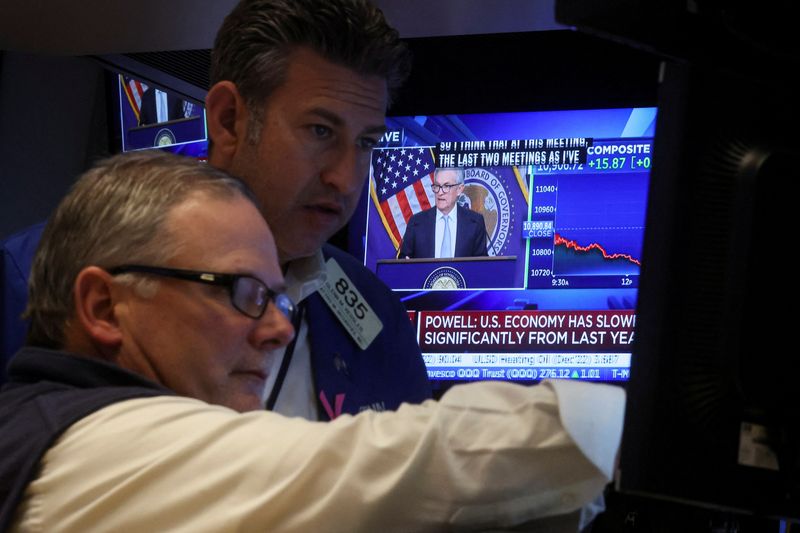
47	392
419	240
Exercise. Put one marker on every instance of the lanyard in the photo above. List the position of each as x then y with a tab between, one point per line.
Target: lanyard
287	359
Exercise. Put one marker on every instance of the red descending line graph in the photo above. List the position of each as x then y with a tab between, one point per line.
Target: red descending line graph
572	258
570	244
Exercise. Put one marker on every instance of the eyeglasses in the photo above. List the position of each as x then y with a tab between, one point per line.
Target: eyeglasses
249	295
446	187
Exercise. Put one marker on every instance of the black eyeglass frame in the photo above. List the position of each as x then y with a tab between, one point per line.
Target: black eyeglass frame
445	187
281	300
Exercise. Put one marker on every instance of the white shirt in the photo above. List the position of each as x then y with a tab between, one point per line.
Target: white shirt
488	454
453	223
162	107
297	396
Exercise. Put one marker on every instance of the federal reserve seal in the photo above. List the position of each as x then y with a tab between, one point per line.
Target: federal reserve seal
487	192
164	137
444	278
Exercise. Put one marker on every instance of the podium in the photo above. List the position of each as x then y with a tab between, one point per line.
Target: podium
450	273
176	131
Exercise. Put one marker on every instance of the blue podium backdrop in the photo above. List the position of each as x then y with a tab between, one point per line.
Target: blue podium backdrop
448	274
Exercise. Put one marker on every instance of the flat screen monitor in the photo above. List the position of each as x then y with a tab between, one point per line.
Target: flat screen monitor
153	117
713	417
562	196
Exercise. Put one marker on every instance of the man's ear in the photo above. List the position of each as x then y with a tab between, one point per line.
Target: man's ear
94	307
226	115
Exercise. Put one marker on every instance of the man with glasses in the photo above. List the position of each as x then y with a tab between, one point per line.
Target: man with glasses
447	229
156	305
143	257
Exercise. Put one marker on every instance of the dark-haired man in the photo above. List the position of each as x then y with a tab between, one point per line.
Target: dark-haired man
298	100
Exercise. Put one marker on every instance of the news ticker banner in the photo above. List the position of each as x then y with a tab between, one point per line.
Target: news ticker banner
513	152
551	155
526	345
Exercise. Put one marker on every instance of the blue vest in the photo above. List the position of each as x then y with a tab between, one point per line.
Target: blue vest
388	372
47	392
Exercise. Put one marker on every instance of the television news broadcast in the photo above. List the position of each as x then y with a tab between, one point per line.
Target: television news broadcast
563	196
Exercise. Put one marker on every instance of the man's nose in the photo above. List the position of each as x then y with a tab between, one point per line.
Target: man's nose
274	330
346	169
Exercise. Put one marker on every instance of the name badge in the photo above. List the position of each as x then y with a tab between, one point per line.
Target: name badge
346	302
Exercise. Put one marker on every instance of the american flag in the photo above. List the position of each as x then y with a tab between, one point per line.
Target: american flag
134	89
401	181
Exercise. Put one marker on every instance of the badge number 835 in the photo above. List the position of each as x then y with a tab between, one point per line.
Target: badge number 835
351	298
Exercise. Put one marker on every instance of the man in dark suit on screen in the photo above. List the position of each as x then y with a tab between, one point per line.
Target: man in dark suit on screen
446	230
161	106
